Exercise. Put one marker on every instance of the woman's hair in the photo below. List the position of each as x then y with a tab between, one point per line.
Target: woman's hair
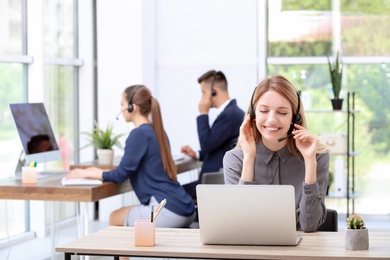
142	97
282	86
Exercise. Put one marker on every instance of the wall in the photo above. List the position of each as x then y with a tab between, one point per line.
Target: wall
167	45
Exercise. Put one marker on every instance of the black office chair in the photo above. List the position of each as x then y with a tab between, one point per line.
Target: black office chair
212	178
331	221
208	178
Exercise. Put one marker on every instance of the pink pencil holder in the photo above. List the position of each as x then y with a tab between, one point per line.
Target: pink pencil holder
145	233
29	175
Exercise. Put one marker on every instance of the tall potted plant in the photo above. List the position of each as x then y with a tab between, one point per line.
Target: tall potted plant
104	140
356	235
336	73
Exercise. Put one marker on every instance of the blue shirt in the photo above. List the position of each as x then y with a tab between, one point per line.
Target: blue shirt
142	164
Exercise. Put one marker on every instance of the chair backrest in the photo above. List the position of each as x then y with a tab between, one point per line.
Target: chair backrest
331	221
213	178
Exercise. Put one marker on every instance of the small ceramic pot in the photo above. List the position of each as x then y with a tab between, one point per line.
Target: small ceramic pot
356	239
105	156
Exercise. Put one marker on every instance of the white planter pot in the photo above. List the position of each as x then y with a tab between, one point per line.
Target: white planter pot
105	156
356	239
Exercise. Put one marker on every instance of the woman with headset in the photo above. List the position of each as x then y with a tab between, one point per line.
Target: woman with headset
275	148
148	163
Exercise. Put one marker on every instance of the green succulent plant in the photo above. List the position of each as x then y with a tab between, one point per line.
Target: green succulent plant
336	74
103	138
355	221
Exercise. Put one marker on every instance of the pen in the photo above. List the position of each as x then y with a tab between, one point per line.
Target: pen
160	206
33	164
151	214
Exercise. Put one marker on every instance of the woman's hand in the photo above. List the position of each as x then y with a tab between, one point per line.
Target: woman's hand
246	138
306	143
89	173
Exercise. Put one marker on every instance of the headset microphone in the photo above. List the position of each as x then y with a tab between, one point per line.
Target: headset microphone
120	113
284	138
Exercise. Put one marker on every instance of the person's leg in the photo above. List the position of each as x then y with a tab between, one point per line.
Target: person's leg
117	217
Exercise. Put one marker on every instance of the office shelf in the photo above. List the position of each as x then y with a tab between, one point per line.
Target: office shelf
350	153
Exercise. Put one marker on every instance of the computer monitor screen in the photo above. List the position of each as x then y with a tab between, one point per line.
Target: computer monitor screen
35	132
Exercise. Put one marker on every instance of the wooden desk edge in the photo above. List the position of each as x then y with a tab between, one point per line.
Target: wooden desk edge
51	189
185	243
183	165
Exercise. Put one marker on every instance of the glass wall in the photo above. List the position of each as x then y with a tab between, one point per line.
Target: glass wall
11	27
60	35
58	91
13	89
301	36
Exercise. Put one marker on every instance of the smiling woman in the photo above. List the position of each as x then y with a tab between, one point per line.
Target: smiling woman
275	148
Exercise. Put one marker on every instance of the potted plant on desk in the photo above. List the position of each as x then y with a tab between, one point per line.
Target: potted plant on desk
356	236
104	141
336	73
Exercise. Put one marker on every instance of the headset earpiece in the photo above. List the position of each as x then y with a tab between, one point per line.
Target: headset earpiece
130	107
296	119
213	92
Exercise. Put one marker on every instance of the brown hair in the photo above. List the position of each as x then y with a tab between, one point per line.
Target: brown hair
142	97
217	76
284	87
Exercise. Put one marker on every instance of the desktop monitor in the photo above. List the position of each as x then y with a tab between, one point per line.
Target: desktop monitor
35	132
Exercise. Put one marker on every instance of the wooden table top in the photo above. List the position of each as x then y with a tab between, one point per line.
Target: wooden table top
183	164
50	188
185	243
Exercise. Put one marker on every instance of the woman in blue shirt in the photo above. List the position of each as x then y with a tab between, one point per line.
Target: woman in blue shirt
148	163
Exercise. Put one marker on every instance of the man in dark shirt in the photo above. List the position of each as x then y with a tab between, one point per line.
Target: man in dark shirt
216	139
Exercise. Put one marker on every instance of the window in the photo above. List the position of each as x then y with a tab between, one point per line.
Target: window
61	77
13	89
358	29
57	89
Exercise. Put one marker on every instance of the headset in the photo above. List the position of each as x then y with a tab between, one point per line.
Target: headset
213	92
296	118
251	111
130	108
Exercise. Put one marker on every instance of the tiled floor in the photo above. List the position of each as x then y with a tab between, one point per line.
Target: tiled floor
38	249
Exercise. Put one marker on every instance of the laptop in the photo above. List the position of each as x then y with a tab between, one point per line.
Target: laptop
247	214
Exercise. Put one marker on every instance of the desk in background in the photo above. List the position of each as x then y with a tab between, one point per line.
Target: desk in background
185	243
182	165
51	189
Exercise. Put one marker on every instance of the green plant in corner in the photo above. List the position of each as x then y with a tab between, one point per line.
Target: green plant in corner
103	138
336	73
355	221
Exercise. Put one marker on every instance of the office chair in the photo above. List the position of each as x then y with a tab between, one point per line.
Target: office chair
208	178
331	221
212	178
